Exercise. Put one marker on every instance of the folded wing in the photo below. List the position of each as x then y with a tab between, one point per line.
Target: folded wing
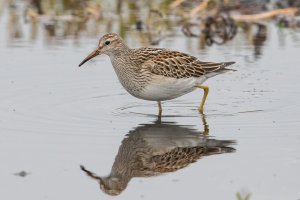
179	65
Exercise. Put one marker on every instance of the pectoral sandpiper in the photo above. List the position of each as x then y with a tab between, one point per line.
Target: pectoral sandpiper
155	149
157	74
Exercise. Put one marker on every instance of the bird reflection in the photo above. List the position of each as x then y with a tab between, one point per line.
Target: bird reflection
157	148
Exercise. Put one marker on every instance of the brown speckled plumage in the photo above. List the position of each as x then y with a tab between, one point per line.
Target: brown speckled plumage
181	157
156	74
154	149
175	64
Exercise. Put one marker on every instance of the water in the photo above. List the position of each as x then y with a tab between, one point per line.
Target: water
55	116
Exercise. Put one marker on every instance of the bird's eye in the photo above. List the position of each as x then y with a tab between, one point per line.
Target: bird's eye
107	42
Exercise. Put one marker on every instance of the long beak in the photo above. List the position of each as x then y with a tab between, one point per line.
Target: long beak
89	57
90	174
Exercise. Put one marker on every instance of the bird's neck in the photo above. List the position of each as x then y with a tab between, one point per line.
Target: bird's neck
128	72
122	63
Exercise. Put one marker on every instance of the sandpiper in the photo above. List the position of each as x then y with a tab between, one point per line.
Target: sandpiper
157	74
155	149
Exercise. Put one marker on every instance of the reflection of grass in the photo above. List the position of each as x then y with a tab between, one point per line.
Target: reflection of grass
2	4
243	196
155	20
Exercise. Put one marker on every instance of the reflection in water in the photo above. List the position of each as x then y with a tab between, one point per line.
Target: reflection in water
256	35
259	39
148	22
14	29
154	149
71	19
151	23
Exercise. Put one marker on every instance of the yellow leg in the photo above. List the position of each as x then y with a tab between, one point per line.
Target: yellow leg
205	124
205	89
159	108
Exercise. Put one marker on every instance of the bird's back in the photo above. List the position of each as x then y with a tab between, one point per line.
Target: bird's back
175	64
181	157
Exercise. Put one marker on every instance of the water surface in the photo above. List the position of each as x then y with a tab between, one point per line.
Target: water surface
55	116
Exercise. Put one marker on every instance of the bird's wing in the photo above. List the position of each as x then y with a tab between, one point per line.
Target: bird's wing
181	157
180	65
142	55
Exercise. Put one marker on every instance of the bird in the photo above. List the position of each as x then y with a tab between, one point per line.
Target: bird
157	148
157	74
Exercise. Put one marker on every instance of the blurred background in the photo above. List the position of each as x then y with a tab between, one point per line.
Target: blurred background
149	22
55	116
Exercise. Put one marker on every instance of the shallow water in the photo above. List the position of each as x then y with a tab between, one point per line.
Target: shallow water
55	116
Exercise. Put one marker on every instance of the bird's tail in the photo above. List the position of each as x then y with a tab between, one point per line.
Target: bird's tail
225	65
221	68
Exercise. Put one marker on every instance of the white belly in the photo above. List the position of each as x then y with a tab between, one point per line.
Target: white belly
162	88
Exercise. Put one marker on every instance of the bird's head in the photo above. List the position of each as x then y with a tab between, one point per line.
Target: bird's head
109	44
111	185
